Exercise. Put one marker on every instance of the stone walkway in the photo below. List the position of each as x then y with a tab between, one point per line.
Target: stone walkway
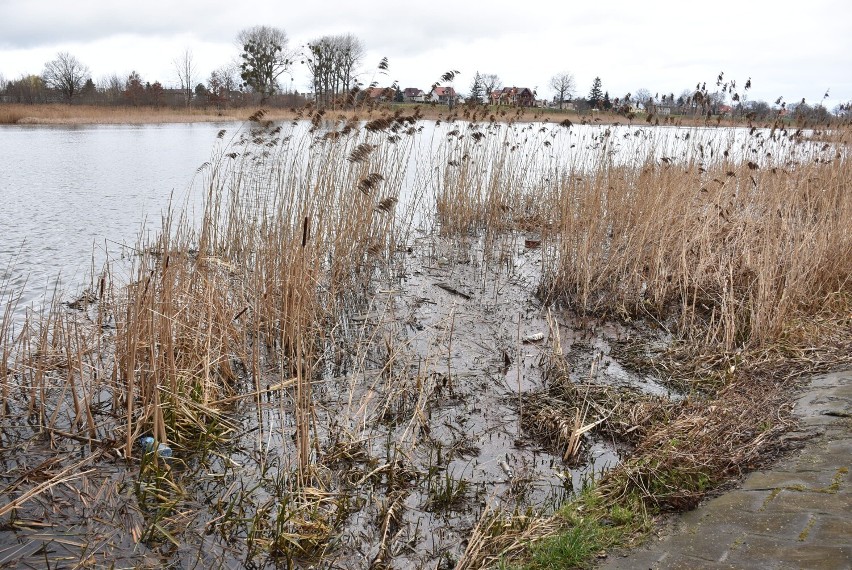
798	514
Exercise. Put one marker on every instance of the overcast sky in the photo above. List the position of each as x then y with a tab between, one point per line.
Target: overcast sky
791	49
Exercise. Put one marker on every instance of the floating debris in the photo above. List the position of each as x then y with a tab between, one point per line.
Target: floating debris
450	289
534	337
150	445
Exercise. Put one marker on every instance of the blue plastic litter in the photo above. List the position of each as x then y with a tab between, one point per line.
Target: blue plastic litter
148	444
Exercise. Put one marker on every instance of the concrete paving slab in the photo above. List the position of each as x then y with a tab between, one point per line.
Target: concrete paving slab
796	515
766	552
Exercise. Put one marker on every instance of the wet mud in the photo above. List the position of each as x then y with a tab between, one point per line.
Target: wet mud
418	427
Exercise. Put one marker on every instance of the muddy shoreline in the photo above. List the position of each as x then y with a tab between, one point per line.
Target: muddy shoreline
420	430
343	384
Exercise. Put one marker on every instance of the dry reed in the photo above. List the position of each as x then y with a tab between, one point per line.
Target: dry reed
248	311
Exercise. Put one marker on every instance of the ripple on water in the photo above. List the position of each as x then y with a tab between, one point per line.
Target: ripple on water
69	194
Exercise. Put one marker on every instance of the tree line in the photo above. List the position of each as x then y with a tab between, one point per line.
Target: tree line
333	63
725	99
256	74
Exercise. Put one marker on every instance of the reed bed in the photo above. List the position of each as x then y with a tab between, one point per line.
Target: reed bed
227	308
287	235
64	114
725	243
735	251
83	114
264	339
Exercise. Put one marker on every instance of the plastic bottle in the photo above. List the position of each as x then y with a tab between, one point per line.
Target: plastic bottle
149	444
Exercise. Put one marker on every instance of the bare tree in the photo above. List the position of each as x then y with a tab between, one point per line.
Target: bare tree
112	86
352	54
65	74
222	83
264	58
185	67
563	86
643	96
27	89
332	62
490	82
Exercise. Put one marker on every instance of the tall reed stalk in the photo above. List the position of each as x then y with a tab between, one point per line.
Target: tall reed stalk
290	224
727	242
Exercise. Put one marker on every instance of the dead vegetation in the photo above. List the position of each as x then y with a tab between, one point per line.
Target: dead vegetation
303	351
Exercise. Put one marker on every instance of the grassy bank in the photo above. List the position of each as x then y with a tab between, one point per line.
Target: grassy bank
64	114
321	351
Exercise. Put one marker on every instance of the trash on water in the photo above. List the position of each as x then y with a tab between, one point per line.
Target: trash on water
150	445
534	337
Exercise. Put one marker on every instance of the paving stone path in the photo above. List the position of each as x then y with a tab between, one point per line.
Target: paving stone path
798	514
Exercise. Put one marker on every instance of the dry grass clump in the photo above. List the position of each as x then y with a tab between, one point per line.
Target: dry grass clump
498	536
708	441
561	416
732	250
287	236
64	114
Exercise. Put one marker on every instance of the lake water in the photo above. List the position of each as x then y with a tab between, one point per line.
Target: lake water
71	195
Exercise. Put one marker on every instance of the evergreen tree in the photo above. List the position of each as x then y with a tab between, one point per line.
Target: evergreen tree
607	104
596	95
476	89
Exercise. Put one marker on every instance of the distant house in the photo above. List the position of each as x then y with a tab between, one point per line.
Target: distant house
514	96
379	94
413	95
175	97
444	95
725	110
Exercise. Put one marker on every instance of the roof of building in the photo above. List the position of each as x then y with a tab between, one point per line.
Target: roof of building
439	91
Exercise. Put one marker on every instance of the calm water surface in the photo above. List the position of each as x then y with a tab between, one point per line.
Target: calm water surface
69	195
